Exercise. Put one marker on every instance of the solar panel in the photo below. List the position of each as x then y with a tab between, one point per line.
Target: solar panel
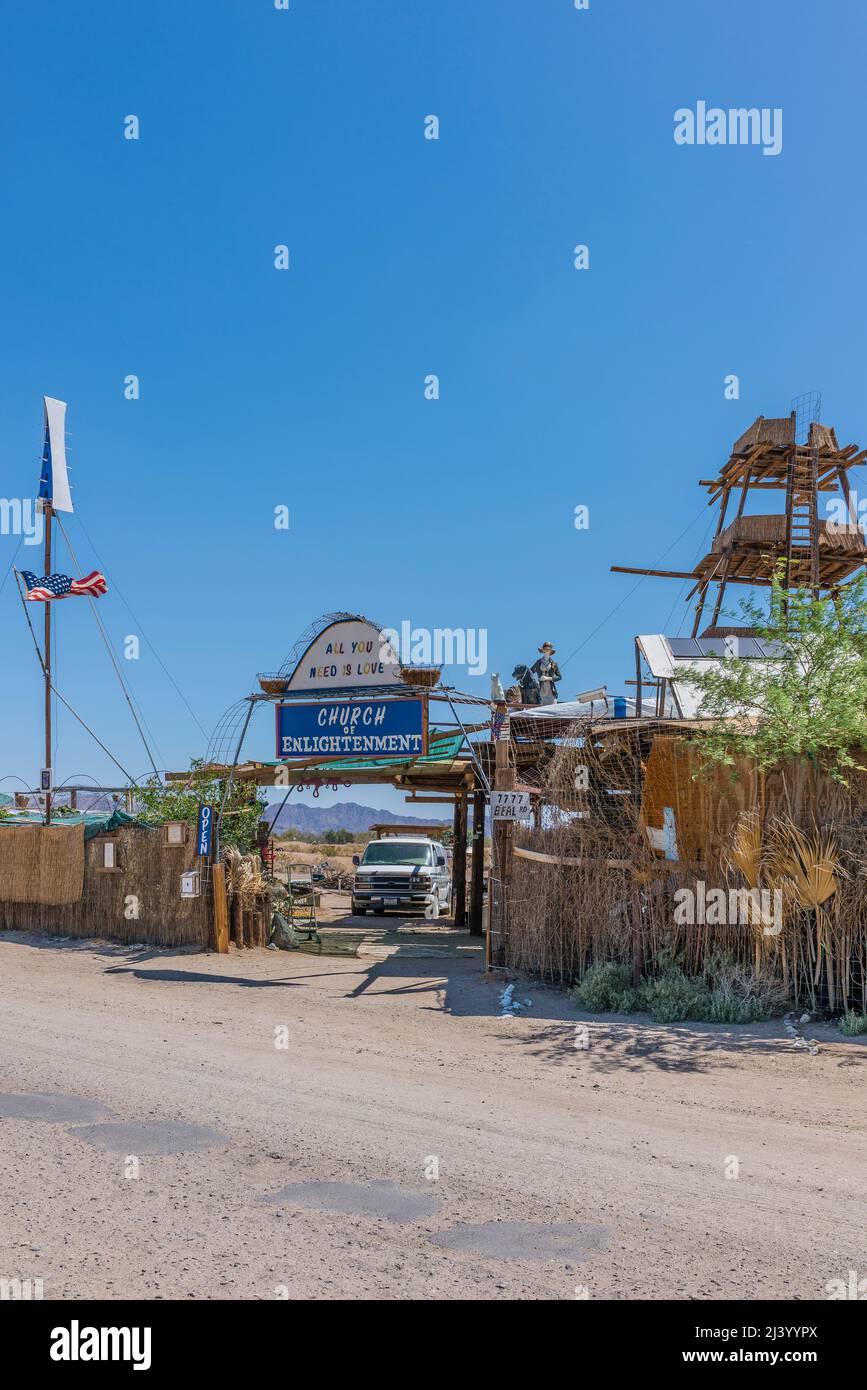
748	647
683	647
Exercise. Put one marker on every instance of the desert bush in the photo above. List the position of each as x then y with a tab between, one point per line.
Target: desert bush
853	1024
739	993
726	991
606	988
674	997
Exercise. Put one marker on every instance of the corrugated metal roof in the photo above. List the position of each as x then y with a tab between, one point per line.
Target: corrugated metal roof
94	824
443	750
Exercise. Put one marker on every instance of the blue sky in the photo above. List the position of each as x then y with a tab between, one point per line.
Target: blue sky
408	257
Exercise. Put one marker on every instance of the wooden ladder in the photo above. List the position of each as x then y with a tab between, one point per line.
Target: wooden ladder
802	522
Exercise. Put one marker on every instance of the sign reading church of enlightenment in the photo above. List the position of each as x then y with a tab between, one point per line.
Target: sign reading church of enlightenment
366	728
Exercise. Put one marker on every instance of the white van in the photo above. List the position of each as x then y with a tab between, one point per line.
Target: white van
403	872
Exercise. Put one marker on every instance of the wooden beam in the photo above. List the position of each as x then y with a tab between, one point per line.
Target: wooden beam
721	585
221	911
488	921
502	835
477	886
459	862
415	800
685	574
660	574
851	511
539	858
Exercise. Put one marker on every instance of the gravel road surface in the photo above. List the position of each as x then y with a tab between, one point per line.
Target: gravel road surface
263	1125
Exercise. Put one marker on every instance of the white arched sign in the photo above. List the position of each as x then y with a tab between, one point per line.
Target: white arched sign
350	653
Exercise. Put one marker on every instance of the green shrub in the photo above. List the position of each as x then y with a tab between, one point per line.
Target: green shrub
674	996
724	1007
606	988
726	992
738	994
853	1024
627	1002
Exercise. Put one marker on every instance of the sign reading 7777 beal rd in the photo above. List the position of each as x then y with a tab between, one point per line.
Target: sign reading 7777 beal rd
510	805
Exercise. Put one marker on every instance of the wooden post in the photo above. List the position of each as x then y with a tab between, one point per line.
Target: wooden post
851	508
459	860
505	778
637	942
703	588
721	583
46	507
488	916
221	914
477	885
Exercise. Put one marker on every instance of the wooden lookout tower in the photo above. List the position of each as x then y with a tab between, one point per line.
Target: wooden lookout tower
800	458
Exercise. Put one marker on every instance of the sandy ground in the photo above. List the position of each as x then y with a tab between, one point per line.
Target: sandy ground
338	857
559	1169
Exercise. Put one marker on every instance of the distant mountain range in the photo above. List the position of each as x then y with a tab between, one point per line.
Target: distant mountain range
347	815
311	820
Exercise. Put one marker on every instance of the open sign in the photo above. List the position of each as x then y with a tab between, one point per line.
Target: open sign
205	831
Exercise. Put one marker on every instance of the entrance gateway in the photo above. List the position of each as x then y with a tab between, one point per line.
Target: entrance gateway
348	710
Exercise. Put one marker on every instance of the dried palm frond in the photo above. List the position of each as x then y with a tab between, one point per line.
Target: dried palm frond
809	869
808	864
232	858
745	852
243	875
255	885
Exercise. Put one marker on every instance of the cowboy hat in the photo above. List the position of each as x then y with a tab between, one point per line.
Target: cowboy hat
546	647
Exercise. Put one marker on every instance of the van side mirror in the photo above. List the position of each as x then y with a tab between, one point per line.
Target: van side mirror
441	859
356	860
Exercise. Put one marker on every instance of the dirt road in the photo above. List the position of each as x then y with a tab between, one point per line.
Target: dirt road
406	1141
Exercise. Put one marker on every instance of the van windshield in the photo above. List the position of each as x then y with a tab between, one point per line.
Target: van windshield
391	852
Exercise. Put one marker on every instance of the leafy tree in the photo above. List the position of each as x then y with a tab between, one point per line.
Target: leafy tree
181	801
338	837
809	701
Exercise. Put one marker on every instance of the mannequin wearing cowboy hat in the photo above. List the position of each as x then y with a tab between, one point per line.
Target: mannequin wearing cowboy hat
548	672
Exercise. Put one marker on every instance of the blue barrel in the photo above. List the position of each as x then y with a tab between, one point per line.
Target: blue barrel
619	706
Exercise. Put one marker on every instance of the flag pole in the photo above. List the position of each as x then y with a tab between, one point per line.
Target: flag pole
46	506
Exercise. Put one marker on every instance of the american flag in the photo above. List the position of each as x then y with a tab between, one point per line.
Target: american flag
47	586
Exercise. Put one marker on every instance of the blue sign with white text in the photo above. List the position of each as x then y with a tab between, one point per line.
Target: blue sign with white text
366	728
205	831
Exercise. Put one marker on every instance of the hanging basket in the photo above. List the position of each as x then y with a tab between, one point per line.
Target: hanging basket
422	676
274	685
